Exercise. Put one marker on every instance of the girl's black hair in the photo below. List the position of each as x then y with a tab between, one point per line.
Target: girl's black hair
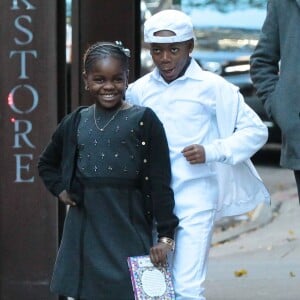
102	50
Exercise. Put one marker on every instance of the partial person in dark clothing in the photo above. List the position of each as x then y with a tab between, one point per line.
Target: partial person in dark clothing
109	162
275	72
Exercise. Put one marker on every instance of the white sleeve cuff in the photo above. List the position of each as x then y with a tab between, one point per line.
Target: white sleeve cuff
212	154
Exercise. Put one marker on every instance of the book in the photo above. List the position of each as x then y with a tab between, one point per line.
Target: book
148	281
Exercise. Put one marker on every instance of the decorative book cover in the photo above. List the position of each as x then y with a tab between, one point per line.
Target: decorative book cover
150	282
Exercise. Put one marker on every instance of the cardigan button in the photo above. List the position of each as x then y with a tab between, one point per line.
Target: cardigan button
143	143
141	123
145	161
146	178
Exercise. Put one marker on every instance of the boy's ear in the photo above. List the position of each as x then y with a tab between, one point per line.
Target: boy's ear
191	45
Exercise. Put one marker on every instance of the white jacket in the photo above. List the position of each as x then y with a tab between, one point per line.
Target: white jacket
240	187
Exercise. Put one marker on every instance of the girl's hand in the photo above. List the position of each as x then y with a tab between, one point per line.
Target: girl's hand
66	199
158	254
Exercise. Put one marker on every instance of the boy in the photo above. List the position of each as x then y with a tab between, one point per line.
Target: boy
211	133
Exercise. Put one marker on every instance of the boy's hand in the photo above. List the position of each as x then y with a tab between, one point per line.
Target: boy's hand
194	154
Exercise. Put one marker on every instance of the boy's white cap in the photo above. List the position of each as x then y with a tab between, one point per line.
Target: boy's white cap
173	20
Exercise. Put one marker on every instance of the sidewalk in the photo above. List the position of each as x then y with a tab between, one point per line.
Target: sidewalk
263	263
231	228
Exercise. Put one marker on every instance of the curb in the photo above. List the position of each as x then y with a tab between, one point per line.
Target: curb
262	215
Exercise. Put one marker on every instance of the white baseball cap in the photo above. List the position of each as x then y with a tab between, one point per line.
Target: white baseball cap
172	20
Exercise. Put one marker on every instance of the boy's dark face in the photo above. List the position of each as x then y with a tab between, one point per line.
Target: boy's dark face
171	58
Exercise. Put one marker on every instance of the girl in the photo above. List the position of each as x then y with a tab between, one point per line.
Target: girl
110	163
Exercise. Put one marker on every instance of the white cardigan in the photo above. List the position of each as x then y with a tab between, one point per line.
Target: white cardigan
240	186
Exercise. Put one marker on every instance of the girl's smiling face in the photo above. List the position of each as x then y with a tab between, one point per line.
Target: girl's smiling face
107	81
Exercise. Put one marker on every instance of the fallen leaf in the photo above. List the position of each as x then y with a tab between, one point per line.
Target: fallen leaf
240	273
292	274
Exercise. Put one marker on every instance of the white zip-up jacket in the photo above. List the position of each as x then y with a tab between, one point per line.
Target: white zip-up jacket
203	108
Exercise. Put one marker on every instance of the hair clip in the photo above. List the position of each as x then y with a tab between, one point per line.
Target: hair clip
126	51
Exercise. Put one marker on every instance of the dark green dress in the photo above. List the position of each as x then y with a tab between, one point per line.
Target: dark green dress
109	224
120	179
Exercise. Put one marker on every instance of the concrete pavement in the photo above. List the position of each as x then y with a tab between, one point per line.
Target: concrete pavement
259	257
231	228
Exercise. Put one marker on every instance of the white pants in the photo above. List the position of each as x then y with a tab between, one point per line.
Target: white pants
189	261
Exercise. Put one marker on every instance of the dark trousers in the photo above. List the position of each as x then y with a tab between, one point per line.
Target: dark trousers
297	177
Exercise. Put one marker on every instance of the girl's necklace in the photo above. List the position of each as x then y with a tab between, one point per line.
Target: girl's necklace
108	122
